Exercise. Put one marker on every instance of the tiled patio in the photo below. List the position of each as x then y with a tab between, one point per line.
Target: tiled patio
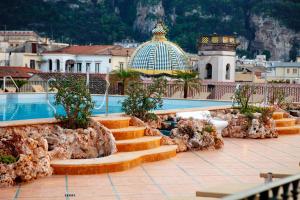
240	161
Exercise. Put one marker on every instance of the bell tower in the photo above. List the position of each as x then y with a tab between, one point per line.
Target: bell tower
217	57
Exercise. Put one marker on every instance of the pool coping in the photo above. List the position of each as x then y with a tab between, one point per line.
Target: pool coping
42	121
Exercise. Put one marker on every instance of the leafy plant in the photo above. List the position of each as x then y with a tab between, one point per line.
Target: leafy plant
7	159
124	76
74	96
208	128
20	83
141	100
242	96
266	114
189	80
278	97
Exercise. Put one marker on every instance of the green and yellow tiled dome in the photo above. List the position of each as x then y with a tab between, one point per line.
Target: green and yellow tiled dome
159	55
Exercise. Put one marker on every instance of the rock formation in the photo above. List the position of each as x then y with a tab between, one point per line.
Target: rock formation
35	146
241	126
271	35
196	135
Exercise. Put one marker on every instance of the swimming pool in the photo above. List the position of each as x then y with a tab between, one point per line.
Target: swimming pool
35	106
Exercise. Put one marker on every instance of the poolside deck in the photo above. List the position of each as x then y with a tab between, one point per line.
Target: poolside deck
240	161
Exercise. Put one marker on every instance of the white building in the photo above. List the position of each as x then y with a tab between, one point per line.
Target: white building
128	43
80	59
283	71
217	58
24	48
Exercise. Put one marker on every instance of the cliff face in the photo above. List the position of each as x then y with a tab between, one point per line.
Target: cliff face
272	36
261	25
147	16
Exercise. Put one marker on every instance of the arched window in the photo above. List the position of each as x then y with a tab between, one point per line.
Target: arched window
50	65
208	70
58	65
227	75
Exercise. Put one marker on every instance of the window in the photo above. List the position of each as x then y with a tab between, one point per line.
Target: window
88	67
79	67
33	48
50	65
288	71
208	69
58	65
109	60
32	64
227	75
121	65
97	68
295	71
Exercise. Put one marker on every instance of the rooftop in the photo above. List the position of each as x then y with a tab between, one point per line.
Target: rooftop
17	72
94	50
47	75
240	161
18	33
283	64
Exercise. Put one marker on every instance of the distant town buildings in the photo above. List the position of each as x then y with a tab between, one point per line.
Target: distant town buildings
82	59
217	60
128	43
284	71
24	48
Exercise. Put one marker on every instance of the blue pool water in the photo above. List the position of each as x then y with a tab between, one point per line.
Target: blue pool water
34	106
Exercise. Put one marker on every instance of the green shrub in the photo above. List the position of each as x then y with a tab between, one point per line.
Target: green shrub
242	97
208	128
7	159
74	96
20	83
141	100
278	97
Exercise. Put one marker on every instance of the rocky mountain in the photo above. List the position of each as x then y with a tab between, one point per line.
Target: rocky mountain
270	26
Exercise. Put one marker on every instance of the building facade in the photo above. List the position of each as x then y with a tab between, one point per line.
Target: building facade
284	72
81	59
217	60
24	48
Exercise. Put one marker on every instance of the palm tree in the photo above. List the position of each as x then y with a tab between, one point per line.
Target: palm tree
124	76
189	80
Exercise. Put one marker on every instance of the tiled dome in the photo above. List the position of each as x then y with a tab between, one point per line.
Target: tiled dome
159	55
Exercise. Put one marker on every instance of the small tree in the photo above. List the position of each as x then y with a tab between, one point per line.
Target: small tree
141	100
20	83
189	80
242	97
278	97
74	96
124	76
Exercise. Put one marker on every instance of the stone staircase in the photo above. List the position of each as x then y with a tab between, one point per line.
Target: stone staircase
285	125
133	149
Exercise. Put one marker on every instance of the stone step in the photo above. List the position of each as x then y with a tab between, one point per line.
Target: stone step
113	163
127	133
114	122
138	144
288	130
278	115
285	122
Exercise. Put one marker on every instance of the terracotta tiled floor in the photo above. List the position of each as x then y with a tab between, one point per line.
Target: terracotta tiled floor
240	161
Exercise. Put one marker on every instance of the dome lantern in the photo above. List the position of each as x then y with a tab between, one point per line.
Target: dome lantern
159	32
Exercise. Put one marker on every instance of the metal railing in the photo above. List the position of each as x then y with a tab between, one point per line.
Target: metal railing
285	189
11	78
